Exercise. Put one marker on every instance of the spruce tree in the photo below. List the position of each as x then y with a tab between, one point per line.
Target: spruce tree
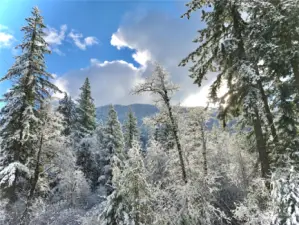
225	47
86	114
114	135
131	131
67	108
21	117
131	201
113	148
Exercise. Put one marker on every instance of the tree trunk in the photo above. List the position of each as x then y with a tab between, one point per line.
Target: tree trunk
261	145
36	170
295	67
269	115
176	137
204	148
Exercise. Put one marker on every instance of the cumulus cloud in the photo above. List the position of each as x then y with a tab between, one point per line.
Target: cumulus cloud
118	41
111	82
158	37
82	43
55	38
153	36
6	38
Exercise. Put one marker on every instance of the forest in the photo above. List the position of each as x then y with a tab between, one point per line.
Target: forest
59	165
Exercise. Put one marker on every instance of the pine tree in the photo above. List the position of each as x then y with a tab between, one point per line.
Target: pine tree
86	114
67	108
131	131
112	148
224	47
86	160
21	117
130	203
114	135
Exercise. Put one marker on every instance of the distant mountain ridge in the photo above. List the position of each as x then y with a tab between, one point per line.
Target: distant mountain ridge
146	110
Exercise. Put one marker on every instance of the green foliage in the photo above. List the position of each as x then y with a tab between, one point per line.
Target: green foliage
86	122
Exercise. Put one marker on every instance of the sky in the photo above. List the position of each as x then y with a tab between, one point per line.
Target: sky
112	42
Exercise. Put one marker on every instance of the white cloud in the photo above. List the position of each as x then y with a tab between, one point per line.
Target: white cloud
153	37
165	39
82	44
58	51
90	41
142	57
111	82
118	41
55	38
6	38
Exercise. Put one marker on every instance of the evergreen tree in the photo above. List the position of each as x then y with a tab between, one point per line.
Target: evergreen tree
21	117
130	203
86	160
114	135
86	114
164	136
113	146
67	108
131	131
224	47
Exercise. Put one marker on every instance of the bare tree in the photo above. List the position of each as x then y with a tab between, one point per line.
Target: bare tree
159	85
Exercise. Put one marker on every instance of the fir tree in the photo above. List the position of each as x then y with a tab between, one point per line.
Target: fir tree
21	117
112	148
86	114
131	131
114	135
130	203
67	108
224	47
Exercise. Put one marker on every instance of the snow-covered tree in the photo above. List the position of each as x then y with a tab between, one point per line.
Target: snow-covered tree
67	108
131	131
112	144
225	49
130	203
114	136
86	159
20	117
158	84
257	208
86	114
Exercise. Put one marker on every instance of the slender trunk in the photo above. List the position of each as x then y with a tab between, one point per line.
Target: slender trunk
269	115
261	145
24	219
176	137
137	199
295	66
204	148
36	170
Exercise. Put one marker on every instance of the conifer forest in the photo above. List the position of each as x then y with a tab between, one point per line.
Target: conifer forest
235	162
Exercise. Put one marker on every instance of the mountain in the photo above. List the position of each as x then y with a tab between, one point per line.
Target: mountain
140	110
146	110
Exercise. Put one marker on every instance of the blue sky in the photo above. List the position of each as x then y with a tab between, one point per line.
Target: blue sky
111	42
